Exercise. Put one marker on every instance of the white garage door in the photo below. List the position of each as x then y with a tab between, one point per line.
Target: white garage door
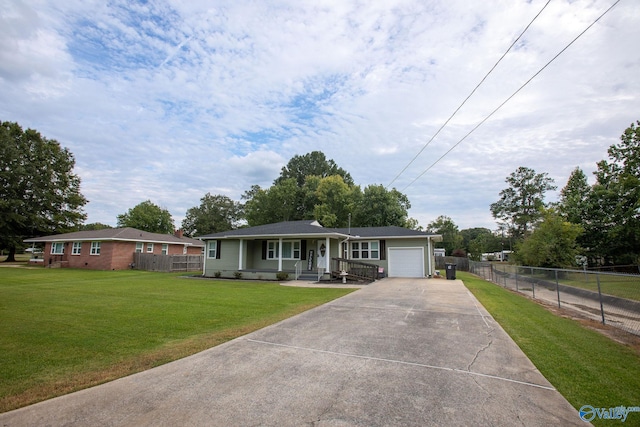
406	262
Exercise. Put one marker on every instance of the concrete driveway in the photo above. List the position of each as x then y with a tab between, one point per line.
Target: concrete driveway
399	352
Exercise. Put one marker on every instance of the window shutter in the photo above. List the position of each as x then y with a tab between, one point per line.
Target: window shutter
303	250
264	249
218	249
383	250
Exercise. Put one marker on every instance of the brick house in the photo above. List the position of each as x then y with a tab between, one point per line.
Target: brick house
111	248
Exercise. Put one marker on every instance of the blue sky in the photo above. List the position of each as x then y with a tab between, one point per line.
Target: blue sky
167	101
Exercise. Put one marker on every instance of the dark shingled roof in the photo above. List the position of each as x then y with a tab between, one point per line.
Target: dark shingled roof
121	234
314	229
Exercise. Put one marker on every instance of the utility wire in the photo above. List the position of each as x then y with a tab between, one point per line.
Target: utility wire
513	94
469	96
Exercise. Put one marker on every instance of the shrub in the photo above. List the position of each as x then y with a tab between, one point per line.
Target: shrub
217	274
282	275
237	275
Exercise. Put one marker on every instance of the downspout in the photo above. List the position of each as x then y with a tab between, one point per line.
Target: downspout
204	256
280	254
240	253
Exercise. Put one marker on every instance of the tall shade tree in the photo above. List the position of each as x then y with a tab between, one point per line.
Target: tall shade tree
520	204
215	214
612	221
381	207
479	240
280	202
551	245
451	237
39	193
312	164
147	216
336	201
574	196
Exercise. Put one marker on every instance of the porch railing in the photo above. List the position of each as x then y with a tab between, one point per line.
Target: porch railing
298	269
356	270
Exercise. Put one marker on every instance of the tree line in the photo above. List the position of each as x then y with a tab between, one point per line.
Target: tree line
594	225
40	194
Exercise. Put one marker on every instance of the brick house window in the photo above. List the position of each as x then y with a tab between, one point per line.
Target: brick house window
57	248
95	248
165	249
75	249
139	247
150	247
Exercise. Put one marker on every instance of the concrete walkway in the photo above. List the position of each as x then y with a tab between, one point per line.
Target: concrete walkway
399	352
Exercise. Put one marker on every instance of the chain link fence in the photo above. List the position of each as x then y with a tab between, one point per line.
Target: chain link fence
610	298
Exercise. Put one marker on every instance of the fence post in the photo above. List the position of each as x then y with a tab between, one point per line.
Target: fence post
533	284
600	297
557	288
517	290
504	269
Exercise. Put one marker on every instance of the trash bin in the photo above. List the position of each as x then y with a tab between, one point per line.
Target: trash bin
451	271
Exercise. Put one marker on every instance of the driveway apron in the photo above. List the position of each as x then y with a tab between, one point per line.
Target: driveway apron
399	352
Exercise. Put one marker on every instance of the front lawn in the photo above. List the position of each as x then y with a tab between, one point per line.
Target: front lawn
62	330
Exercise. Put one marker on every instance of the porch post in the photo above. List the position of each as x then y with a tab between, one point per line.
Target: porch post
429	256
240	253
280	254
327	259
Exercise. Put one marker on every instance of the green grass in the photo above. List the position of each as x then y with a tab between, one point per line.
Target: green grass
587	367
62	330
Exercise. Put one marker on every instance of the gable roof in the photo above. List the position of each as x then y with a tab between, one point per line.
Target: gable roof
311	228
126	234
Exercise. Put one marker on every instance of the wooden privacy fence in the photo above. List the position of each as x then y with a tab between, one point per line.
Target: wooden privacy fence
152	262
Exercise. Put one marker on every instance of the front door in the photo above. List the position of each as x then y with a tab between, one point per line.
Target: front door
323	252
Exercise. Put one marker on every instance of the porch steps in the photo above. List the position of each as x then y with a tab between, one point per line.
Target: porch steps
309	277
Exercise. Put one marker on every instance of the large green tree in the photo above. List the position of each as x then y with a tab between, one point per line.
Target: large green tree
551	245
337	201
39	192
216	213
147	216
380	207
312	187
520	204
612	220
574	196
451	237
479	240
312	164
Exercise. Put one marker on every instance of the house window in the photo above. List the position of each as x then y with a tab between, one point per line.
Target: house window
150	247
165	249
57	248
75	249
290	249
139	247
95	248
184	250
272	250
212	249
365	250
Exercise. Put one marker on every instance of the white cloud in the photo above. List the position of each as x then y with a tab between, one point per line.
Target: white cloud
170	100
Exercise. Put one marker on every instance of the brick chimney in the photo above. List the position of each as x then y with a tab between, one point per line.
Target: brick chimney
179	233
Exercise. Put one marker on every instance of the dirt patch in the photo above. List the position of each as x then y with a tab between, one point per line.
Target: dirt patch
618	335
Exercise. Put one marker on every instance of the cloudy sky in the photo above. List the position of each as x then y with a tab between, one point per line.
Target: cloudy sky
168	100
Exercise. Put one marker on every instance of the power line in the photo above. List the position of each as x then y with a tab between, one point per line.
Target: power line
513	94
469	96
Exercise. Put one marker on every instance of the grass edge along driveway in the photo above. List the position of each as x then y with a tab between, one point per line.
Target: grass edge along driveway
64	330
586	367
